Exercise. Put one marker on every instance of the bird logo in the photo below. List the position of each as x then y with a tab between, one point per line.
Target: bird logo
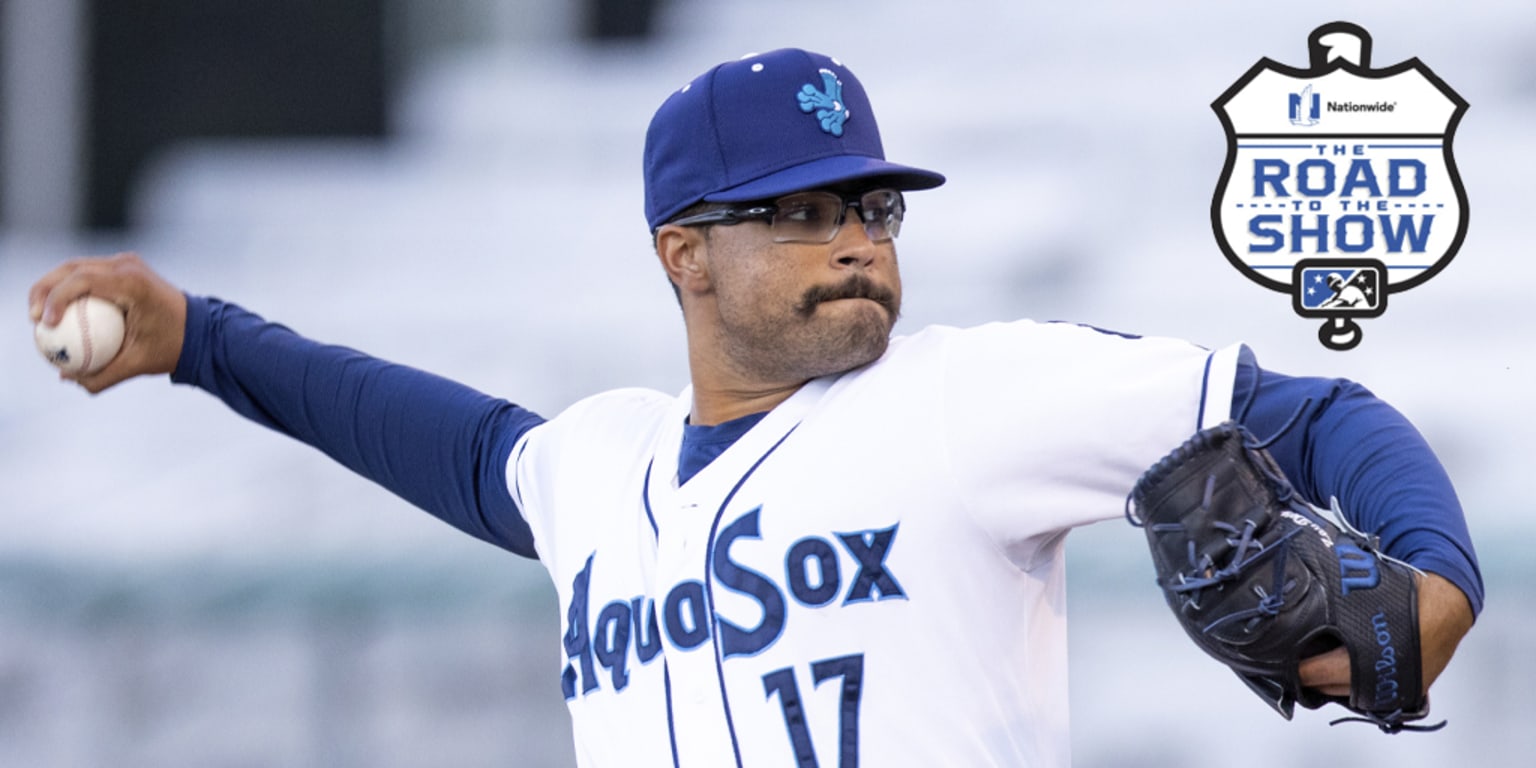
827	103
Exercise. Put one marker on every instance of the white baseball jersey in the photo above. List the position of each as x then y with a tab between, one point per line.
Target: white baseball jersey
873	573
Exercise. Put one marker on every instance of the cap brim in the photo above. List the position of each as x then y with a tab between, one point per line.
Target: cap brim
829	172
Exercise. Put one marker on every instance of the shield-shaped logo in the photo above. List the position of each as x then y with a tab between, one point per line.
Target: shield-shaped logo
1339	178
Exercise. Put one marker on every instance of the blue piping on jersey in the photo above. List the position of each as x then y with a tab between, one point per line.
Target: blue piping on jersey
1246	363
645	498
1205	385
666	683
1092	327
709	597
666	673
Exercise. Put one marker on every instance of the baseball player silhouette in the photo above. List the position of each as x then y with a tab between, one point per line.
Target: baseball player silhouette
1345	294
830	531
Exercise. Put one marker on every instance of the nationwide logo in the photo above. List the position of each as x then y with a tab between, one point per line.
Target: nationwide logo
1348	195
1305	108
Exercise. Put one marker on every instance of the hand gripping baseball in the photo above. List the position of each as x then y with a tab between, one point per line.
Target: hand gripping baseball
1261	580
156	313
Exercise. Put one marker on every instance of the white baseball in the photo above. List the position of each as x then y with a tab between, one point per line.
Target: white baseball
86	339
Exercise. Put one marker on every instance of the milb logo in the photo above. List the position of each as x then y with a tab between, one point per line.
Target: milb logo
1348	195
1329	287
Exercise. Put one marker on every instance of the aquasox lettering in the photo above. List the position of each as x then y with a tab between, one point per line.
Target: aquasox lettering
815	571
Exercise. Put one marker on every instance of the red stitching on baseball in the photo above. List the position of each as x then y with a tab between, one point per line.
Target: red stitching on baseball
85	336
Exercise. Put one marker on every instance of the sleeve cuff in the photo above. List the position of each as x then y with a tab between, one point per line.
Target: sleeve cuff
194	342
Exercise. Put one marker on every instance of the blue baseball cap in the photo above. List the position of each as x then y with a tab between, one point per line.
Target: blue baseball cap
763	126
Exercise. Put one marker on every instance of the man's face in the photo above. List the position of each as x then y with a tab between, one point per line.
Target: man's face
796	311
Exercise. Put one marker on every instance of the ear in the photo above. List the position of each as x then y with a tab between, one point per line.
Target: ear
683	251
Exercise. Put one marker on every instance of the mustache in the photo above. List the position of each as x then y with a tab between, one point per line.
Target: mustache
855	287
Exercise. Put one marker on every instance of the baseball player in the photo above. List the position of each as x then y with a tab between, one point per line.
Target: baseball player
834	547
1345	294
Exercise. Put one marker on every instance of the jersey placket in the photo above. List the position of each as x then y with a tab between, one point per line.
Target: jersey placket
686	520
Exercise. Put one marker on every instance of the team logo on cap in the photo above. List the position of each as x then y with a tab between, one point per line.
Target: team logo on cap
827	103
1339	185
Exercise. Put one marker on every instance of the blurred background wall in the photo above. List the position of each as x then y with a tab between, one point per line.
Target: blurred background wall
455	185
94	89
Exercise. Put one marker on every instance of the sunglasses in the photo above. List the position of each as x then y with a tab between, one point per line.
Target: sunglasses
815	217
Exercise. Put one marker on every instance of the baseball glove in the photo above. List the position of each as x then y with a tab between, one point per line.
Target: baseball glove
1261	579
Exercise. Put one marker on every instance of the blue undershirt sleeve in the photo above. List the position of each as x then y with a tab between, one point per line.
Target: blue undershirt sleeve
440	445
1337	440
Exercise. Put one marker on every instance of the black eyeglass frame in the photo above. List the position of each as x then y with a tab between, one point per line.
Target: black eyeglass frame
766	211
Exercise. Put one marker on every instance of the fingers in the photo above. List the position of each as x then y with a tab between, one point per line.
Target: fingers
42	304
1445	616
120	369
1326	672
155	313
106	278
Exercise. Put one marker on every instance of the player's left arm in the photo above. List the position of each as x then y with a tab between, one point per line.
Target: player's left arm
1338	440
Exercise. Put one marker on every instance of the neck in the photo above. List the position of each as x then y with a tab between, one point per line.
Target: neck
718	404
721	394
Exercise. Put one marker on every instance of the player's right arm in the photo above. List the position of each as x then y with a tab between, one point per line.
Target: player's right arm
438	444
155	310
